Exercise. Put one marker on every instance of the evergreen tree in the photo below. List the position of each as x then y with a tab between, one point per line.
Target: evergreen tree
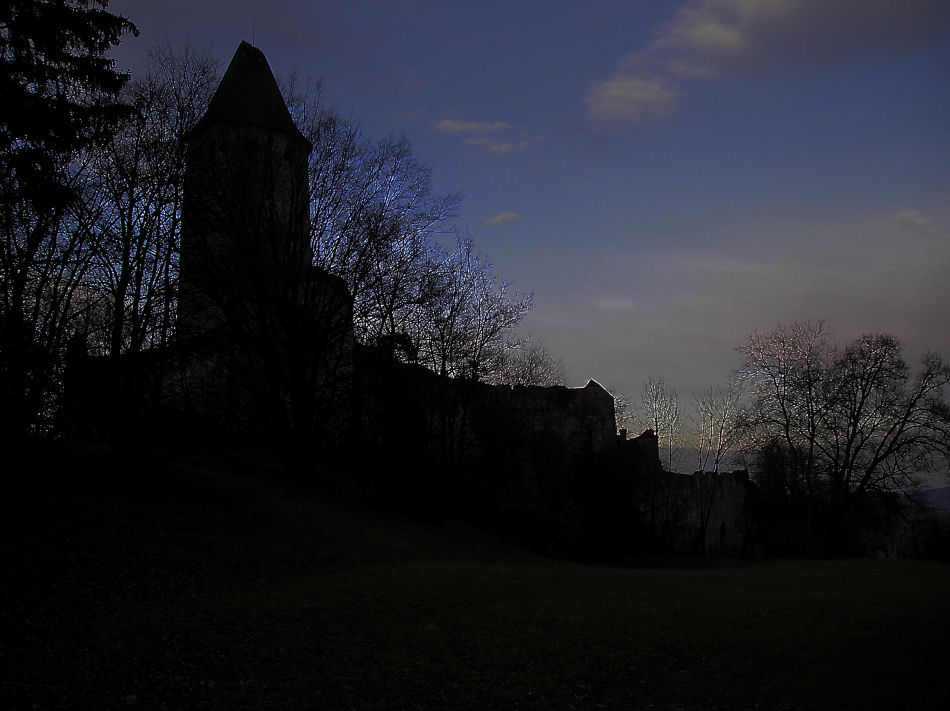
57	89
57	96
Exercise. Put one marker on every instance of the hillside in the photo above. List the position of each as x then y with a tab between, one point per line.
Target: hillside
203	582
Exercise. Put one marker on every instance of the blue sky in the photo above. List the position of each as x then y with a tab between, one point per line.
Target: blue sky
664	176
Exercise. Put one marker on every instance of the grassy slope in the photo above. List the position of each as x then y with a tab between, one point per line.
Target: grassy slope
197	585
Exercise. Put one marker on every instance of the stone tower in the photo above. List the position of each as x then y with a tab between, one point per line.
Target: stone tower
265	336
245	209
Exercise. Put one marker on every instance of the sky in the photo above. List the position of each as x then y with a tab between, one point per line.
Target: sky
665	177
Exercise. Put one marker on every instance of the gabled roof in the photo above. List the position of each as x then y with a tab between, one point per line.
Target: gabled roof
248	94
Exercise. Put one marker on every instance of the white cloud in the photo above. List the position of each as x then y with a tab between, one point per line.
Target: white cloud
723	38
699	29
628	99
502	218
785	35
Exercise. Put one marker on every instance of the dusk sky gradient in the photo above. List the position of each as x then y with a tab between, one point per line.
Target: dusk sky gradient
664	176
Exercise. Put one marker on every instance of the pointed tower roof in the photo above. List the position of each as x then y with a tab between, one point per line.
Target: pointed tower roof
248	94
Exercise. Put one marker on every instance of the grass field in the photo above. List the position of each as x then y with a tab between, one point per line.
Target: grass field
200	585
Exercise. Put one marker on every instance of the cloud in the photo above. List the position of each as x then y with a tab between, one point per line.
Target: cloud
700	28
628	98
912	218
771	38
453	126
791	35
502	218
481	134
610	302
500	148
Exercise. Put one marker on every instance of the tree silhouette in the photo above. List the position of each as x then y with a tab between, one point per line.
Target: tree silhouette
718	426
59	95
846	422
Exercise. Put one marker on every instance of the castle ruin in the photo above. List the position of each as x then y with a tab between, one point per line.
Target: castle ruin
269	352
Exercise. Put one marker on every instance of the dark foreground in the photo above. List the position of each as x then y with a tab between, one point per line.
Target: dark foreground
198	585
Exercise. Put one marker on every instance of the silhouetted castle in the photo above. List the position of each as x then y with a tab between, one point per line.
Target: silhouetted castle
265	351
246	272
268	343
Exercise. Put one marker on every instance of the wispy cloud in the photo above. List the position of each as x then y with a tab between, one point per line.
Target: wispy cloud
496	146
724	38
611	302
497	137
628	98
455	126
795	35
912	218
502	218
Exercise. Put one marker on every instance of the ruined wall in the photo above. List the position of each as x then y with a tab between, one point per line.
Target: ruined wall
583	418
490	445
701	513
545	461
457	420
728	518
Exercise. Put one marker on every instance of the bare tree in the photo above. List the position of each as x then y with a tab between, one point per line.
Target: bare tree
141	175
718	427
45	257
885	426
659	410
624	411
463	328
374	221
849	420
373	215
787	367
527	362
